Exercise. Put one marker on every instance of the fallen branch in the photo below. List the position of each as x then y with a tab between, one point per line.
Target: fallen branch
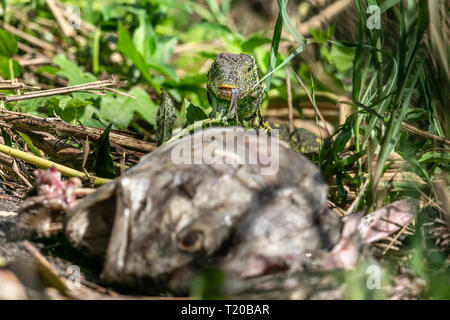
25	122
409	128
12	85
29	38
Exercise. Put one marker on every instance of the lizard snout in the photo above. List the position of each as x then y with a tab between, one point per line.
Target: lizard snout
226	91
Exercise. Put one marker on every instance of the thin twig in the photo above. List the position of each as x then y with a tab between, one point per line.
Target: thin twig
391	243
356	201
12	85
119	93
17	171
299	80
59	16
33	62
50	272
411	129
31	39
96	85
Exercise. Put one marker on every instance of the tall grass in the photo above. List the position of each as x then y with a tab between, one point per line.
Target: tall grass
393	85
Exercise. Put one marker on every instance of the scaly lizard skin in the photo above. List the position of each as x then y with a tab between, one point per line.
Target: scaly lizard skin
239	73
236	76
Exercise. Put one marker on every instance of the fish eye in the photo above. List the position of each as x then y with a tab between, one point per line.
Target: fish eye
190	240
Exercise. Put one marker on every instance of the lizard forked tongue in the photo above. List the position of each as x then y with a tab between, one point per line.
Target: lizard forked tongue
233	103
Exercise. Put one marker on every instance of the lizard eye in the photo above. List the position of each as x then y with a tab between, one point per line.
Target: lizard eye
190	240
249	69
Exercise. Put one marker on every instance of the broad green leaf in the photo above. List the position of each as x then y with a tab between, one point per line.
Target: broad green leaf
8	44
342	139
143	105
70	109
120	110
273	51
5	70
144	37
164	48
165	118
67	101
71	71
29	106
6	137
195	113
75	76
48	69
103	163
113	109
30	144
322	36
255	40
77	113
342	58
128	49
164	69
88	117
435	156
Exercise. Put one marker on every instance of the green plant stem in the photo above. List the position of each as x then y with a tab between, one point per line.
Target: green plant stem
358	150
96	53
45	164
11	69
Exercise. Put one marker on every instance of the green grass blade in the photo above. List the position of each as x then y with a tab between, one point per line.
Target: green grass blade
282	4
281	65
217	13
387	4
126	46
283	19
393	130
273	52
96	51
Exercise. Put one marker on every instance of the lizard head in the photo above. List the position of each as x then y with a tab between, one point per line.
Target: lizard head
232	71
